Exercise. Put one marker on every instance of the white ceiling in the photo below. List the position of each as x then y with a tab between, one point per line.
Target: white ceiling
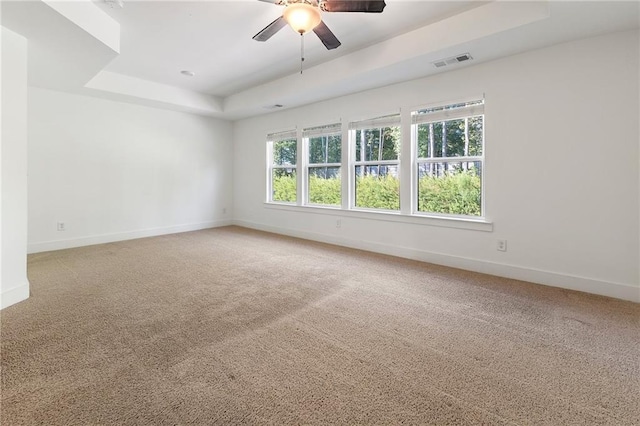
71	48
214	39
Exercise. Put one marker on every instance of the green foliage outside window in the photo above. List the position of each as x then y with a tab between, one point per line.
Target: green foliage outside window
458	193
378	192
325	191
284	178
451	194
284	186
446	187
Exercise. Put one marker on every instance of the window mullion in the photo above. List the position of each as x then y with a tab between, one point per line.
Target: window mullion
406	168
301	169
269	175
347	171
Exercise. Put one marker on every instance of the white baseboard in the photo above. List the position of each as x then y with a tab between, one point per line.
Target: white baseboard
553	279
122	236
14	295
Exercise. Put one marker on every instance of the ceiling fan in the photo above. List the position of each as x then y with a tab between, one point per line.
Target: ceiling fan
304	16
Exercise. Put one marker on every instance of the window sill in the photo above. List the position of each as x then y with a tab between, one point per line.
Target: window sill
390	216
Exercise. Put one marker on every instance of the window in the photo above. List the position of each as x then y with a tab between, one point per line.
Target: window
376	181
282	153
324	148
440	177
449	146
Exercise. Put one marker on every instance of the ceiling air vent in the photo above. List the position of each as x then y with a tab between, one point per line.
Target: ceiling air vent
452	60
111	3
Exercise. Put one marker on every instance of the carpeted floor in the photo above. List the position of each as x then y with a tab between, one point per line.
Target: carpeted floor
234	326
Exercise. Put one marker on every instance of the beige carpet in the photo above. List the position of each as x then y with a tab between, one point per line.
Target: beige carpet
233	326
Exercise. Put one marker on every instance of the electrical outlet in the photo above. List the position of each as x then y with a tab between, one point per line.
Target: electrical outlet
501	245
61	226
338	223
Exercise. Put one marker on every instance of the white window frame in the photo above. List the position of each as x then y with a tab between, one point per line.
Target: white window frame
407	164
445	112
320	131
272	138
372	123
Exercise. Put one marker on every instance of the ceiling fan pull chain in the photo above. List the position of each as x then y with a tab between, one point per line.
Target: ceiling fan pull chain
301	51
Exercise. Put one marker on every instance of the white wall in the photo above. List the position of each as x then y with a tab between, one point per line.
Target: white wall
14	285
112	171
562	139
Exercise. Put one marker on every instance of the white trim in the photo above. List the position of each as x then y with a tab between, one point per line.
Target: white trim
122	236
14	295
268	172
457	222
548	278
406	169
301	174
345	171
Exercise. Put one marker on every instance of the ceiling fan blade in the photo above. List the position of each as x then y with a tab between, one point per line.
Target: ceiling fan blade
268	31
278	2
325	35
366	6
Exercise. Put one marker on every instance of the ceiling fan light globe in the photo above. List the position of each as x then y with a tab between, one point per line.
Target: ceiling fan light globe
302	17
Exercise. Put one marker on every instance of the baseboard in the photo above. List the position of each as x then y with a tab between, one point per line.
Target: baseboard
553	279
122	236
14	295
